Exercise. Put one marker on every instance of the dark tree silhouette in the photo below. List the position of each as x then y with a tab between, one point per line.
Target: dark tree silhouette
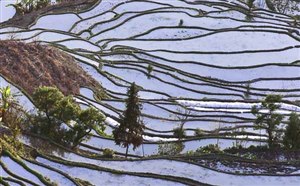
131	127
291	138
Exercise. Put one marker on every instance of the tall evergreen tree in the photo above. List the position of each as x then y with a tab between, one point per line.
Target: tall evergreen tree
291	138
130	130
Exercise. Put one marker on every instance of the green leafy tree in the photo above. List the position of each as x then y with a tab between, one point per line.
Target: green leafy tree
270	120
291	139
12	114
130	130
61	119
86	121
6	99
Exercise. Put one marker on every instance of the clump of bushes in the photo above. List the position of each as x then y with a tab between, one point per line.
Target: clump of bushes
61	119
211	148
108	153
11	145
170	148
199	132
179	132
249	155
12	117
149	70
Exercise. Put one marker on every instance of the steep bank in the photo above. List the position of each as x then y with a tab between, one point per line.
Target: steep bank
32	65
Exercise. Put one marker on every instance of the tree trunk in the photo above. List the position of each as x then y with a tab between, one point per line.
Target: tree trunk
270	139
126	151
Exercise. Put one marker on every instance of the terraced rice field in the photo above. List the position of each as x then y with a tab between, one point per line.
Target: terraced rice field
208	61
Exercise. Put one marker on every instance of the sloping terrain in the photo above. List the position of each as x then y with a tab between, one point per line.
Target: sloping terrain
211	62
32	65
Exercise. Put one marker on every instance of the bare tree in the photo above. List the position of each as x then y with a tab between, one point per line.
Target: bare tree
182	115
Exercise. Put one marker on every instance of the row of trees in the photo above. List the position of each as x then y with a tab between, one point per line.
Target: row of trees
268	117
60	118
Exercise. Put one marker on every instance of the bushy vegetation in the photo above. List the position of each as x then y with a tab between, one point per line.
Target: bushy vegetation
170	148
12	145
12	116
199	132
57	117
108	153
179	132
211	148
61	119
149	70
182	116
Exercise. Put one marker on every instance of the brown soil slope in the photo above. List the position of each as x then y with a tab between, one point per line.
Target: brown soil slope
32	65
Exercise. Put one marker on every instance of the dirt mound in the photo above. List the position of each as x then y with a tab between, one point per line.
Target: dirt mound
32	65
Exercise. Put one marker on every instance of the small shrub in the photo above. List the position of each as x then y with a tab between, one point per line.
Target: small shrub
11	145
108	153
249	155
149	70
180	22
170	148
199	132
179	132
211	148
190	153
